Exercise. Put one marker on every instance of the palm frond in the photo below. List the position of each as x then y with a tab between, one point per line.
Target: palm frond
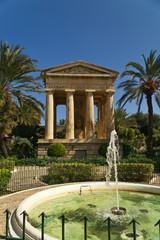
137	66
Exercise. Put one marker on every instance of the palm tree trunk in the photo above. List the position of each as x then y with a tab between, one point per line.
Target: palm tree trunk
150	125
3	147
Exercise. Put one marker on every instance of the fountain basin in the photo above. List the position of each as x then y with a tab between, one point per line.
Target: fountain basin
16	221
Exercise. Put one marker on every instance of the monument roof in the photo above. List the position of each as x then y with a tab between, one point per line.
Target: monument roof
79	68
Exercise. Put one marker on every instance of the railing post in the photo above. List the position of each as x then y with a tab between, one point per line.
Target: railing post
134	228
85	227
109	227
63	226
24	213
43	216
158	223
7	221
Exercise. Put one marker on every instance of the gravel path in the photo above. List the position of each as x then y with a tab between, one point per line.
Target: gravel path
12	201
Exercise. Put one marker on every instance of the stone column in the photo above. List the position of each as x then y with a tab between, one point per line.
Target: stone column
49	129
98	121
104	117
55	120
89	114
109	110
69	114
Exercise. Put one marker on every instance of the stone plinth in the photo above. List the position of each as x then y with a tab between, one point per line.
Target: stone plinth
83	148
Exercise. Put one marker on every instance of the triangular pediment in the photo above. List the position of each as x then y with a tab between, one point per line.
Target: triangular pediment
79	67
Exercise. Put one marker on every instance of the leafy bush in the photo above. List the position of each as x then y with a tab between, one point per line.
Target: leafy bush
33	161
56	150
96	161
6	167
5	175
103	149
155	158
135	172
7	164
70	172
22	148
156	140
127	148
45	161
137	158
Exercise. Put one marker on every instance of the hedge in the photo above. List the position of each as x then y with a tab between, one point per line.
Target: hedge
45	161
134	172
70	172
137	158
7	164
6	167
5	176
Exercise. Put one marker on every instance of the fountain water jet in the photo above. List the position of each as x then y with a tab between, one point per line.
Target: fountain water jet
112	157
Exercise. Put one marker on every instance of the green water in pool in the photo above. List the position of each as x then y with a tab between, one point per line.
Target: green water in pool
145	208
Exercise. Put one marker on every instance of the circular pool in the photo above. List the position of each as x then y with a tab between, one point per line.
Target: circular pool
67	191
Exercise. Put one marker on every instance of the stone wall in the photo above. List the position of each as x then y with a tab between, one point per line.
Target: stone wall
76	148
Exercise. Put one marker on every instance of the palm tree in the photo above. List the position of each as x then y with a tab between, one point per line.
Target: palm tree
16	85
144	82
123	120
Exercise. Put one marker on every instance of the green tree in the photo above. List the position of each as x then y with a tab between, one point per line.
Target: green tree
142	121
123	120
31	132
8	119
144	82
16	86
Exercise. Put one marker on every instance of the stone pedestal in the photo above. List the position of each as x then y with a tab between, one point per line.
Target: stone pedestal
75	147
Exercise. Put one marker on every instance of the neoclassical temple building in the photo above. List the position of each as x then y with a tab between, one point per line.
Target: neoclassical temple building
79	85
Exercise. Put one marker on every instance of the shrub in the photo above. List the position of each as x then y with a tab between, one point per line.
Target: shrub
127	148
7	164
135	172
103	149
5	176
6	167
22	148
137	158
95	160
156	140
49	160
56	150
70	172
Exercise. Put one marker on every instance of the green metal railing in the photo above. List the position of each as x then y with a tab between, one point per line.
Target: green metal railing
63	218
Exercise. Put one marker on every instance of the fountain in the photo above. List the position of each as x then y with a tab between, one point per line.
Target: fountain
129	194
112	157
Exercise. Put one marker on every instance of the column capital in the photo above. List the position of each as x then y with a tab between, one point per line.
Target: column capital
110	91
47	90
90	90
70	90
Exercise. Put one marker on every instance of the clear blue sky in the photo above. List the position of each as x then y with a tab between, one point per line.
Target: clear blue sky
109	33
